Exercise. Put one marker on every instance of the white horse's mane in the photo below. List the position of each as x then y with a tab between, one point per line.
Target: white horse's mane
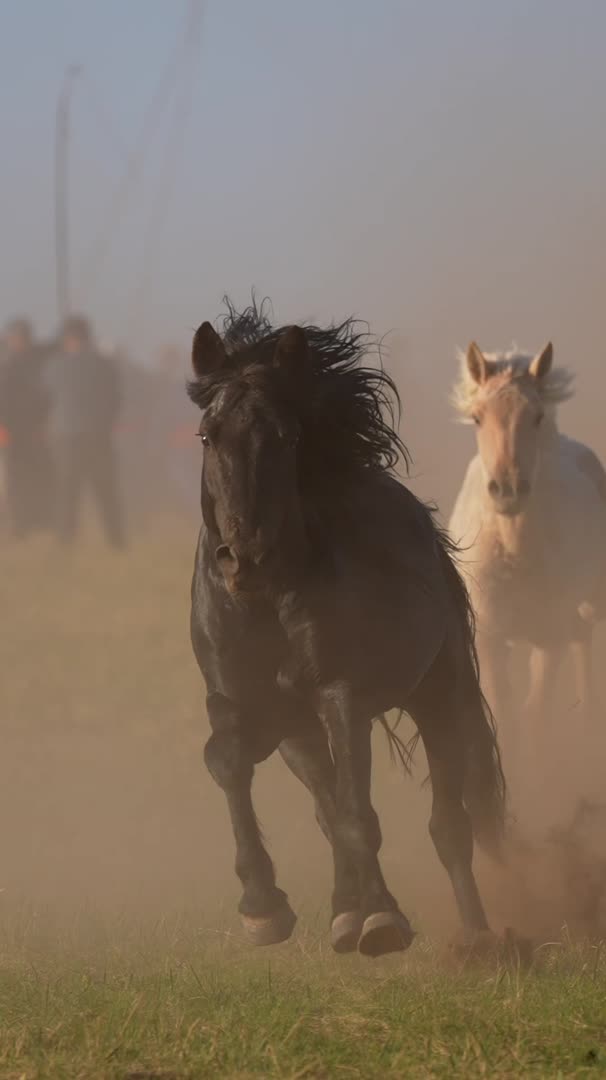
553	388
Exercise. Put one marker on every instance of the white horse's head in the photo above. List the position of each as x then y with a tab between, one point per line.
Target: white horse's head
511	398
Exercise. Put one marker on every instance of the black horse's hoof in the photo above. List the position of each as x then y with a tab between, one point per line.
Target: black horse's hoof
385	932
270	929
345	931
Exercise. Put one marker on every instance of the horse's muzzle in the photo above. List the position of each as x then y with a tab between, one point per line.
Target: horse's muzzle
509	498
242	573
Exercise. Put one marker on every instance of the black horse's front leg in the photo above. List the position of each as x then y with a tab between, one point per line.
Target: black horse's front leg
308	757
266	914
385	929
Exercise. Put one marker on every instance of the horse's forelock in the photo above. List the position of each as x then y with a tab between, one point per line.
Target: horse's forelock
505	368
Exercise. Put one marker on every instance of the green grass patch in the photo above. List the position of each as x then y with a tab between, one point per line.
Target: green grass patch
177	1001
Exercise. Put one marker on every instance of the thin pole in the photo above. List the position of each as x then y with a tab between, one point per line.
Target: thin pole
62	147
169	175
93	263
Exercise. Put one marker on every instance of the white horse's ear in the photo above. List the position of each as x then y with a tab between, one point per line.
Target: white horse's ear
541	365
477	364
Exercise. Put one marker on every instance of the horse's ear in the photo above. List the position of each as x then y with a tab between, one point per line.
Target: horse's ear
292	350
541	365
477	364
208	351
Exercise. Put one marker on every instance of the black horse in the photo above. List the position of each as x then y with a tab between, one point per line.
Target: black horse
323	596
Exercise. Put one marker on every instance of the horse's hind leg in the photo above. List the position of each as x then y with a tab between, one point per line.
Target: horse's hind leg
588	706
308	757
581	648
442	722
266	913
582	655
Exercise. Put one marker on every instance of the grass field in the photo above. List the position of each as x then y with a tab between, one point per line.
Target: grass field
120	955
167	1003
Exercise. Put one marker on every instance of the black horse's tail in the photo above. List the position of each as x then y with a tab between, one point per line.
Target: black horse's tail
484	790
398	749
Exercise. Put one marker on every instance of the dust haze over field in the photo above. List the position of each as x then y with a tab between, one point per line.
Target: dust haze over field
106	804
430	189
122	955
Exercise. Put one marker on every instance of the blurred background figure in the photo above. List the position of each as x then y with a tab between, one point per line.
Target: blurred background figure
134	439
3	447
23	435
176	422
84	392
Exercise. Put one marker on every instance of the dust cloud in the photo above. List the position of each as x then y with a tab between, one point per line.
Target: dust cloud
104	798
440	175
106	805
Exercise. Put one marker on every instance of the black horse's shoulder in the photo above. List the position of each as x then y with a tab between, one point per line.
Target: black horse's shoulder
385	504
394	490
202	629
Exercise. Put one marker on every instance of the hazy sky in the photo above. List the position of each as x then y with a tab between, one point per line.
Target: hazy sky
437	167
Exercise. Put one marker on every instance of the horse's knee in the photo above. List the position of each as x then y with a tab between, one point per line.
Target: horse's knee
451	832
226	760
360	837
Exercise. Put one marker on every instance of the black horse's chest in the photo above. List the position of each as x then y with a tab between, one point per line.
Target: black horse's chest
243	648
244	658
252	653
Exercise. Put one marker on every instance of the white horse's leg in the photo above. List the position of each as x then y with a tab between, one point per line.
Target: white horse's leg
544	666
539	718
539	705
588	698
582	657
589	712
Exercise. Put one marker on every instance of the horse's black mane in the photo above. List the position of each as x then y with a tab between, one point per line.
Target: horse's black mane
348	411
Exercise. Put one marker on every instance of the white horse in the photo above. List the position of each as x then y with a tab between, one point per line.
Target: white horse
531	518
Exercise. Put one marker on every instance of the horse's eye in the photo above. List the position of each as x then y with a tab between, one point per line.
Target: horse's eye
204	439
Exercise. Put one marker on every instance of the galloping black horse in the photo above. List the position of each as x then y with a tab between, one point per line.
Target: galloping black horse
323	596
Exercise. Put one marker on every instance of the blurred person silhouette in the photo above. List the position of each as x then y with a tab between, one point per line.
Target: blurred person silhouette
23	431
84	390
3	445
136	440
176	422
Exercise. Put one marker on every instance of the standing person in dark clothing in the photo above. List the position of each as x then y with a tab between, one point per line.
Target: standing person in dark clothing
175	428
84	394
23	415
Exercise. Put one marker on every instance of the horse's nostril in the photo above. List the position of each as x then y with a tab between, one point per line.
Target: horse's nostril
225	554
493	487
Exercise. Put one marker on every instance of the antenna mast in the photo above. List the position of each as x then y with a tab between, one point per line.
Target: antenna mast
62	147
